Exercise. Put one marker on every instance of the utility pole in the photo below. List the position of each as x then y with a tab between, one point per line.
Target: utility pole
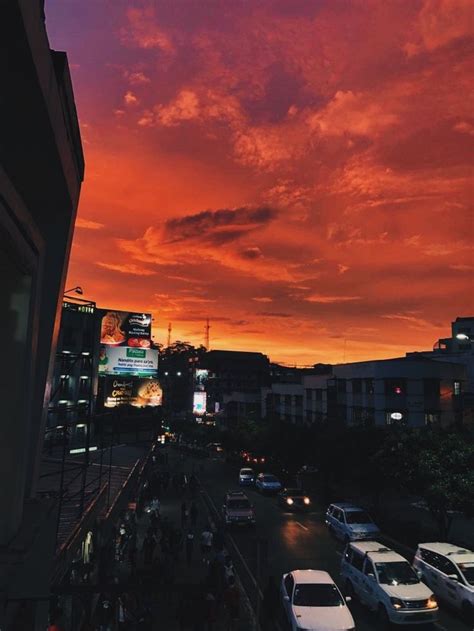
207	328
169	335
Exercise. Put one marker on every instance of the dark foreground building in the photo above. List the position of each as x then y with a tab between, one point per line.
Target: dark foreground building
41	170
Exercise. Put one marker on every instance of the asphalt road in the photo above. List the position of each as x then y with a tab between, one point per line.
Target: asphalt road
295	541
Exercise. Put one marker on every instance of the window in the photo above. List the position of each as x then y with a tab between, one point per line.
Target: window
308	393
289	583
448	567
341	385
319	395
357	386
369	386
317	595
358	560
368	568
431	387
431	418
457	388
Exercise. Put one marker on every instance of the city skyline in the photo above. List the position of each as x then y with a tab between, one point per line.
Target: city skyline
297	172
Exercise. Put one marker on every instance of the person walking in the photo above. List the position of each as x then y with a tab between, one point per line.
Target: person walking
232	604
206	544
193	512
210	610
189	547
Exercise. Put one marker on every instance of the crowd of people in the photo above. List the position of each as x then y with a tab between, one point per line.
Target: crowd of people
150	549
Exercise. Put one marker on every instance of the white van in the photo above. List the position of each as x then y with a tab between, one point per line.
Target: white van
387	584
449	571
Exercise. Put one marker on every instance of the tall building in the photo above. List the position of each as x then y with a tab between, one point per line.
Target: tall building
41	170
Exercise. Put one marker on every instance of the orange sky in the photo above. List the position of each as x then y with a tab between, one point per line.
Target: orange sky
298	171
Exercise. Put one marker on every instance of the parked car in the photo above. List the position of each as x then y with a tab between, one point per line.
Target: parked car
387	584
449	571
313	602
350	523
246	477
268	483
237	509
294	499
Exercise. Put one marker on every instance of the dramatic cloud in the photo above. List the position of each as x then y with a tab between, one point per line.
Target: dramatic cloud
313	158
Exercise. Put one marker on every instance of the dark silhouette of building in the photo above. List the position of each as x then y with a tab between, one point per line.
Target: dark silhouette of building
41	170
234	382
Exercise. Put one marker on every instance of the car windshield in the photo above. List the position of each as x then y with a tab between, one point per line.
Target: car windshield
247	472
396	573
293	492
317	595
238	504
269	478
357	517
468	571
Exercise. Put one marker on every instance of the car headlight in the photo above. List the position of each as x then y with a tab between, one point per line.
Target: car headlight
289	501
431	603
397	603
307	501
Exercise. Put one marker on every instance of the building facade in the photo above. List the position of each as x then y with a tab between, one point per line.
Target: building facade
41	170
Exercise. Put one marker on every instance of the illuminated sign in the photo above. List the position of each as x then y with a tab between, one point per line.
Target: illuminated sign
122	328
123	360
133	391
199	403
201	377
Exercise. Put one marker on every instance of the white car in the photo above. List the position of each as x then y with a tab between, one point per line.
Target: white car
387	584
313	602
268	483
449	571
350	523
246	476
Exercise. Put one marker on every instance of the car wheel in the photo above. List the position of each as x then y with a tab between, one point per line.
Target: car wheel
383	618
468	612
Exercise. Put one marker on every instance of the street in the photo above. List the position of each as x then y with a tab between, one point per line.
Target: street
295	541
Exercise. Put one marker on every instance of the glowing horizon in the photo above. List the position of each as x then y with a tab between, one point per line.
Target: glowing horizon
298	172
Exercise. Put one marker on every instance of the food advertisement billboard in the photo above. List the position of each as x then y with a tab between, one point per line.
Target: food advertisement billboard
199	403
123	328
132	391
123	360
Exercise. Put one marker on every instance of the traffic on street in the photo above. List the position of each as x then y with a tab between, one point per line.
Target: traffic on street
281	538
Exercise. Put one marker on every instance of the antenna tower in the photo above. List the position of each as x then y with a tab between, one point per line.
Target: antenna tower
169	334
207	328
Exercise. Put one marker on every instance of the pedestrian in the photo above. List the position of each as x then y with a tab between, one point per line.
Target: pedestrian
210	609
105	616
206	544
228	569
189	547
184	515
232	604
193	512
270	604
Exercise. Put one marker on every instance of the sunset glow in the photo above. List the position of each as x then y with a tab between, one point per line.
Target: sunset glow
298	171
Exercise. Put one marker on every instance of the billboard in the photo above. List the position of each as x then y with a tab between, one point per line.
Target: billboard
123	360
201	377
199	403
132	391
123	328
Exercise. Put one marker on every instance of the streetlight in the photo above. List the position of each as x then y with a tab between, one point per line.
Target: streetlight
463	336
76	290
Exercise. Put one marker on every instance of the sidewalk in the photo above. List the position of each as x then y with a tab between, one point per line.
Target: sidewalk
169	585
